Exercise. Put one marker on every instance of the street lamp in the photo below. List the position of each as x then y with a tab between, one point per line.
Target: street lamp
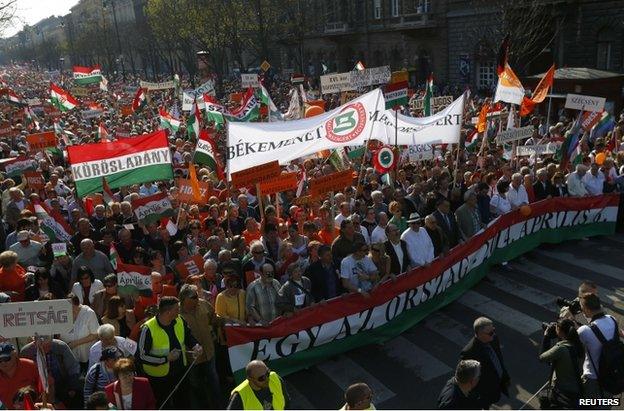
105	4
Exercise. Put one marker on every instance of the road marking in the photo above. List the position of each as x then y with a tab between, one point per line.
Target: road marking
425	366
344	372
298	400
591	265
449	328
525	292
501	313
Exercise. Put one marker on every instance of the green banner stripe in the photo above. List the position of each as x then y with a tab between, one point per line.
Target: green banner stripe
409	318
139	175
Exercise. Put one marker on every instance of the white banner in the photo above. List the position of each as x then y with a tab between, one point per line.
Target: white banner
89	114
157	86
441	128
436	103
585	103
514	134
352	80
189	96
37	317
252	144
249	80
536	149
420	152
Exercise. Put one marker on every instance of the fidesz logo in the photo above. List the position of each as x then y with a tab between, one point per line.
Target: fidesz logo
347	125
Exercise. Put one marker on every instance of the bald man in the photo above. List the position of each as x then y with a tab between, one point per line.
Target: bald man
262	390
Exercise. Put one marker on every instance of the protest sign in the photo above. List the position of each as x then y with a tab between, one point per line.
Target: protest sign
514	134
89	114
437	103
41	141
352	80
249	80
584	103
192	266
59	249
589	119
157	86
420	152
25	319
256	174
537	149
34	180
283	182
185	193
152	208
331	182
134	279
189	96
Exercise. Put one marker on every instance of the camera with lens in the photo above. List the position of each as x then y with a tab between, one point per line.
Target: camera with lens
550	329
573	305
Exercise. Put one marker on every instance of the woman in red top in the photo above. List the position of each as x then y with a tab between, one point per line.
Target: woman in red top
12	276
129	392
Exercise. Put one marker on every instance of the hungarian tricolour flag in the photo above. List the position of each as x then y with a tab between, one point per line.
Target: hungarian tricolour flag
61	98
205	151
131	161
192	124
265	98
103	133
53	224
248	111
87	75
359	66
428	96
214	111
167	121
134	280
152	208
396	94
11	96
139	100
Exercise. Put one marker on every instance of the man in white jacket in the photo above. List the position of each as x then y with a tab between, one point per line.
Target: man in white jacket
419	245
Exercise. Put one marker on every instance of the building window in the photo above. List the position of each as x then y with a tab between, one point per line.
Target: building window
377	9
605	39
395	8
486	74
423	6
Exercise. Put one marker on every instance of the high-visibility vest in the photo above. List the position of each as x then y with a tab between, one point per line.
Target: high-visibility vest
161	346
251	402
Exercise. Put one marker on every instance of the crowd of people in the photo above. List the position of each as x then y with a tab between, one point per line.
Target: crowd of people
169	349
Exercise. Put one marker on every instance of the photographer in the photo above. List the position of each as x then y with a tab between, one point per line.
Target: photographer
564	357
571	308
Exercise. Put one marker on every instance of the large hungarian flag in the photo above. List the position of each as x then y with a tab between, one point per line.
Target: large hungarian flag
214	111
205	151
539	94
396	94
152	208
129	161
168	121
53	224
61	98
139	100
192	124
134	280
248	111
265	98
87	75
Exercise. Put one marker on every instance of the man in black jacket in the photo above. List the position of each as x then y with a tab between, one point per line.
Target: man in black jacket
542	188
446	221
485	348
459	392
396	250
324	276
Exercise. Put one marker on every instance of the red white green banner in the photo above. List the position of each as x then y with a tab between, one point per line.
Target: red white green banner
152	208
16	166
52	223
134	279
350	321
129	161
61	99
87	75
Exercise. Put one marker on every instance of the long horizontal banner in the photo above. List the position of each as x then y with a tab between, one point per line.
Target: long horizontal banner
157	86
348	322
352	80
352	124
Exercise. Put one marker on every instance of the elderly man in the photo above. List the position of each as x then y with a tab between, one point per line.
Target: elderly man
98	221
484	347
517	194
419	245
16	204
468	216
396	249
262	295
358	273
15	373
263	389
253	266
92	258
594	180
446	222
84	231
107	338
459	392
27	250
201	319
576	186
343	245
379	232
345	212
542	188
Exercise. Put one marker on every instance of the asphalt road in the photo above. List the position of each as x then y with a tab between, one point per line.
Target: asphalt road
410	370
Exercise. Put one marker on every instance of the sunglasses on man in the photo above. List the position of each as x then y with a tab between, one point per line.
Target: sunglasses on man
264	376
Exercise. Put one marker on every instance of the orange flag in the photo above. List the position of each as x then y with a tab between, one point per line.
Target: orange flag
481	124
194	183
539	94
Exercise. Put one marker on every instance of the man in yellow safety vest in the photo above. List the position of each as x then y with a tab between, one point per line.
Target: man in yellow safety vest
262	390
166	348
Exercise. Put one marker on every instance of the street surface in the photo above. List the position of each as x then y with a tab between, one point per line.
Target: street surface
410	370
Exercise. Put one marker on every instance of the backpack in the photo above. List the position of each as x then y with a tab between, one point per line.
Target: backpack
611	364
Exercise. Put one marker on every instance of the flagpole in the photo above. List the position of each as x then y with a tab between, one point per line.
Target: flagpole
362	168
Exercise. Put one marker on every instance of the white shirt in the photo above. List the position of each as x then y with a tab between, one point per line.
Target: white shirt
576	187
95	287
594	183
499	205
378	235
419	246
86	323
517	197
364	233
95	352
339	219
606	325
350	268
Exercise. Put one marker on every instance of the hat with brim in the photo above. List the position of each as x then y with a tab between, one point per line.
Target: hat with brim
414	218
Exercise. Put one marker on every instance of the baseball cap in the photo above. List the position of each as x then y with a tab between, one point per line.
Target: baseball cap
23	235
6	349
110	353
